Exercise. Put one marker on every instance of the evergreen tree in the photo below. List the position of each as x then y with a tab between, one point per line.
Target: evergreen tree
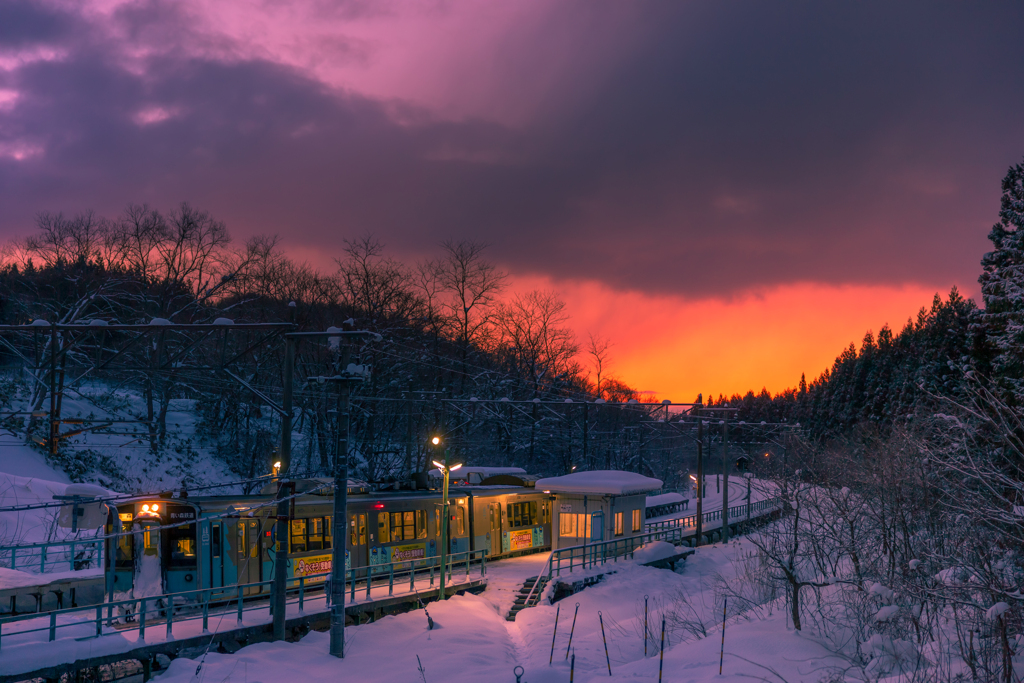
1002	289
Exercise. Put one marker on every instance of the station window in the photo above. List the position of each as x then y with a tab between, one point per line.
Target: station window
577	526
618	523
521	514
636	521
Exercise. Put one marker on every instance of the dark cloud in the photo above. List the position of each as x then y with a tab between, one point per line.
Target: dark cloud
733	145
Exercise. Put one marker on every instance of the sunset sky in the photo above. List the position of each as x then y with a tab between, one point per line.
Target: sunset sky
730	191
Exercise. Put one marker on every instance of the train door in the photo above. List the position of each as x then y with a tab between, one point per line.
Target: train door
495	520
212	543
356	554
247	550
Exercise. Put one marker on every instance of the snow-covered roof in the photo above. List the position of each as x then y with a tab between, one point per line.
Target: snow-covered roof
664	499
464	472
607	482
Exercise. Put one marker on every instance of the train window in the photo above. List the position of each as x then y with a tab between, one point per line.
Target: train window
421	524
126	549
618	523
636	521
461	517
182	543
522	514
315	527
215	540
357	530
241	539
383	528
328	530
297	533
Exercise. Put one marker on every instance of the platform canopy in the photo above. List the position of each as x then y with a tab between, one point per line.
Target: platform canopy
604	482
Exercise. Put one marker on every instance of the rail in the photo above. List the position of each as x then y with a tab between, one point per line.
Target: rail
55	556
671	531
132	614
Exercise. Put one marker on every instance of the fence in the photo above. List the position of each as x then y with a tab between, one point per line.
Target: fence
56	556
194	605
671	531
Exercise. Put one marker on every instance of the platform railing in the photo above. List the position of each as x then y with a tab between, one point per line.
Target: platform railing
672	531
174	608
55	556
735	512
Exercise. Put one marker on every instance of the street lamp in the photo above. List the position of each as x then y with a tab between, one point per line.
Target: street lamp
277	468
696	486
445	471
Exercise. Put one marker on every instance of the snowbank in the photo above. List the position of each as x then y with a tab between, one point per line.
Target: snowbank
607	482
652	552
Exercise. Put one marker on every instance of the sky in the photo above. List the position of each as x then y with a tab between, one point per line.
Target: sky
731	192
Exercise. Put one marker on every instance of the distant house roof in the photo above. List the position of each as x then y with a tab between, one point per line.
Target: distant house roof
606	482
484	472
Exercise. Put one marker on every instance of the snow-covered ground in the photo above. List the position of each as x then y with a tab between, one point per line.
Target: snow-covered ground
472	641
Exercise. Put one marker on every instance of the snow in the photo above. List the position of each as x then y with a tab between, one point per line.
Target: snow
474	642
657	550
160	321
997	610
914	564
887	613
664	499
607	482
484	472
13	578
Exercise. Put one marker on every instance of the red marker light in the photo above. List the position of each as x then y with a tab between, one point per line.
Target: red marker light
378	506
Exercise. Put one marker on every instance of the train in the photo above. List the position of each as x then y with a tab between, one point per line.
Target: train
185	543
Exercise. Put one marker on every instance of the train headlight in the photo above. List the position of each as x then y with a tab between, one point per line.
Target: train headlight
154	507
145	508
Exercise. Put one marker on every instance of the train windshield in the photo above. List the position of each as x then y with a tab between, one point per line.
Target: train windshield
181	542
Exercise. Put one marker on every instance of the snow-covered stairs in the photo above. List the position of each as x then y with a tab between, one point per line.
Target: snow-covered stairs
525	592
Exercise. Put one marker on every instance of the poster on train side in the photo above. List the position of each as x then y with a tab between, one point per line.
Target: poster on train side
405	553
520	540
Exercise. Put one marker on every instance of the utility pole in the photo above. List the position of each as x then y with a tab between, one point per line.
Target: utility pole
345	374
284	491
586	461
725	479
340	510
700	473
54	425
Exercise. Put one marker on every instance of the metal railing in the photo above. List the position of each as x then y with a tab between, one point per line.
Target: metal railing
55	556
735	512
193	605
672	531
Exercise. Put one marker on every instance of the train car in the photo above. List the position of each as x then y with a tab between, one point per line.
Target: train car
190	543
508	520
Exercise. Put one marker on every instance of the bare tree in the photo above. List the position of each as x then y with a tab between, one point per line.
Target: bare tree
599	350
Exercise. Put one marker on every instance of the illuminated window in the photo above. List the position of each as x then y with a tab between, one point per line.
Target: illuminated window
421	524
461	520
567	525
315	527
618	523
636	521
383	529
357	530
297	534
521	514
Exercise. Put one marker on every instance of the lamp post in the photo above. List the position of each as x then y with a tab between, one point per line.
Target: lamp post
445	471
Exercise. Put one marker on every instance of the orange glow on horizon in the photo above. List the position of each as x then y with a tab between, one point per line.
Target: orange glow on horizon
675	348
